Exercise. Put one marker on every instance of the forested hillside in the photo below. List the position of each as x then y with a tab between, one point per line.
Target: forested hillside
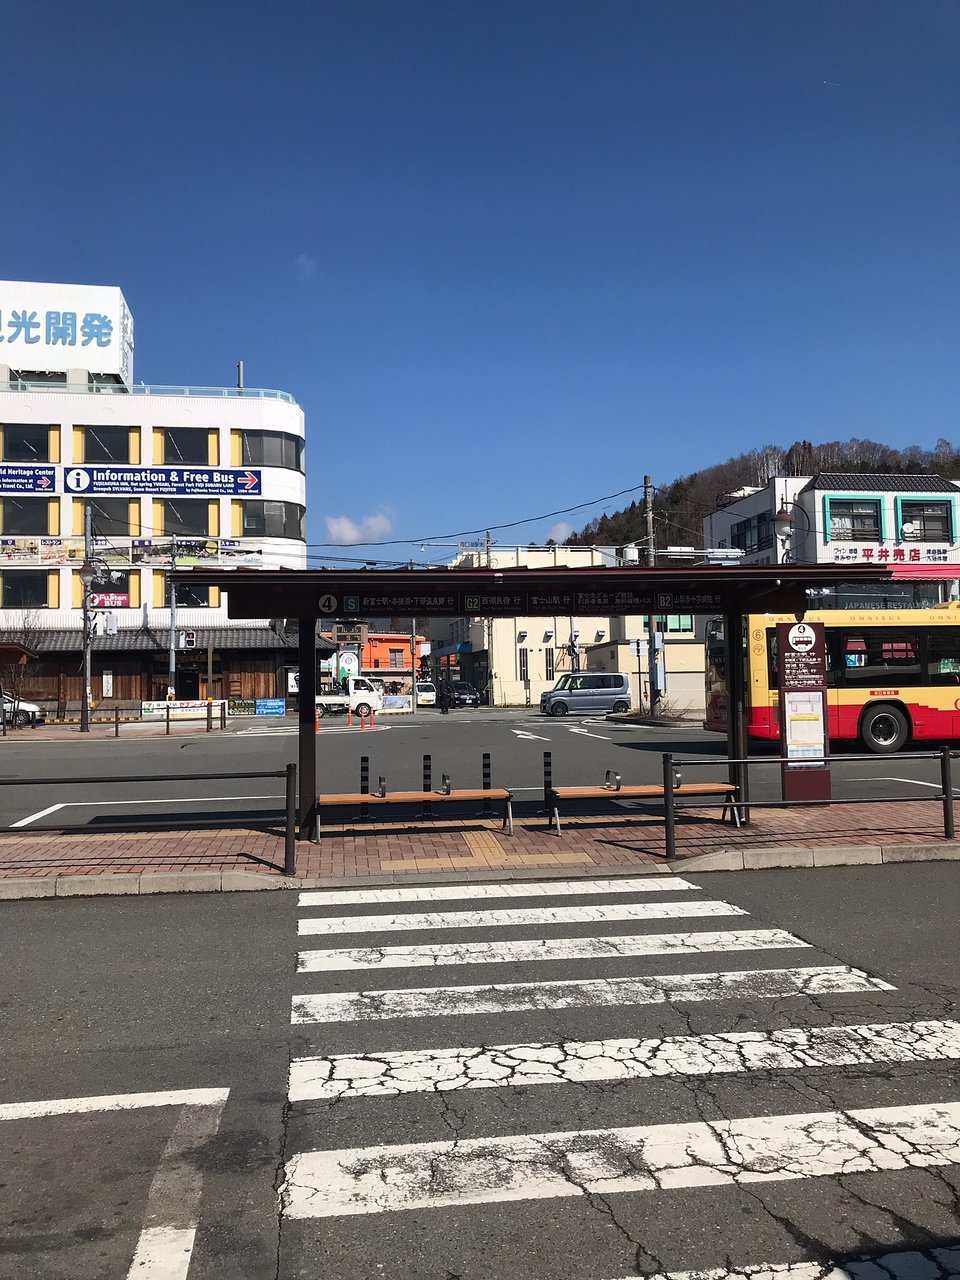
679	507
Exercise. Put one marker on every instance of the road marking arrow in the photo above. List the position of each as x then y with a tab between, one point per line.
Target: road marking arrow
586	734
521	734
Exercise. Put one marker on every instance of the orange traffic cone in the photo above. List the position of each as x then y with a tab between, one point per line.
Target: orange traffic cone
316	720
363	723
371	717
349	716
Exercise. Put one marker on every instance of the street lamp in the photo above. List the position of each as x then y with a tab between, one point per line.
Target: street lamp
783	526
88	573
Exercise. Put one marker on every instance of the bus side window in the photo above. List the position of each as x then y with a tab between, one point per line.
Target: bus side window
943	655
773	659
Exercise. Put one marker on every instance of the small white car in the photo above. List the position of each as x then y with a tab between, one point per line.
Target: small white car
426	694
19	711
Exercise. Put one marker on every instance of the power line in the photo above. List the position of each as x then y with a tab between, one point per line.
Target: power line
492	528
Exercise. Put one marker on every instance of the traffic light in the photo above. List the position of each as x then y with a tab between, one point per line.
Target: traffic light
188	639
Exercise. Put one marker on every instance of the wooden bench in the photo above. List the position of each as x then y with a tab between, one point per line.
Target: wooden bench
426	799
651	791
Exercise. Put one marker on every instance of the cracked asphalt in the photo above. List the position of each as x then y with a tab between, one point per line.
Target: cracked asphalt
591	1139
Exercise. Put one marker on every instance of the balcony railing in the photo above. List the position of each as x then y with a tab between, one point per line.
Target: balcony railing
149	389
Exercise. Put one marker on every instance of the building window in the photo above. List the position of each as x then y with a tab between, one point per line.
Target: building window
186	517
186	444
677	624
273	520
524	664
548	655
926	522
24	517
111	517
753	534
271	449
854	520
25	443
25	589
106	444
191	597
396	659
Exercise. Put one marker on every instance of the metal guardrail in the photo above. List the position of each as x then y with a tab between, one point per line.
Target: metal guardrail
289	774
672	770
121	717
149	389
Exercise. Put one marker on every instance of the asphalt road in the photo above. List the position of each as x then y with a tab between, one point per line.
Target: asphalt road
582	749
600	1136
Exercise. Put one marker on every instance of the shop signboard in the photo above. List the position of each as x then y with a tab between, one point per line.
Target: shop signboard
108	600
145	552
196	482
184	708
271	706
802	664
27	479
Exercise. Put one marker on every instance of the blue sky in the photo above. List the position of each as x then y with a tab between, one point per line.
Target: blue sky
508	256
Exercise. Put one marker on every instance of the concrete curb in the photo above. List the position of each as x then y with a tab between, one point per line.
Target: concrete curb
19	888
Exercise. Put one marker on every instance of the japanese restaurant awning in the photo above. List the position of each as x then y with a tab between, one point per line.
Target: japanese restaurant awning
508	593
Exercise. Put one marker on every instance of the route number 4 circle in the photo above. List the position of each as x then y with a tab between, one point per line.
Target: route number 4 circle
328	604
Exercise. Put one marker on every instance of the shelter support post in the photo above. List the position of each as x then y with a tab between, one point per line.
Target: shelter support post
737	710
307	771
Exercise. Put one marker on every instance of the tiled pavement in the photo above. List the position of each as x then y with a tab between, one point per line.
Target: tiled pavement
444	846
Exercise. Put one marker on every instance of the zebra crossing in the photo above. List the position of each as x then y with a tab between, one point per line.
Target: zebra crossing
582	1093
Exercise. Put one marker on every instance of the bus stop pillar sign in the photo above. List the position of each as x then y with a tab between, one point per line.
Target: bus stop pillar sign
804	741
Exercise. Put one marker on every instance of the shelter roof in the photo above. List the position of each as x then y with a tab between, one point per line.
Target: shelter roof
541	592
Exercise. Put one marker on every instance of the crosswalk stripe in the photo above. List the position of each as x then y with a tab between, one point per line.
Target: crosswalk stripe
906	1264
585	914
433	1175
603	947
514	889
386	1074
511	997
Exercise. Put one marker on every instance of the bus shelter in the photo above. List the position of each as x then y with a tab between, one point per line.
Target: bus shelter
729	590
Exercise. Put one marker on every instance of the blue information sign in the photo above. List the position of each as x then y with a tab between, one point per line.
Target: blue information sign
14	479
198	482
271	707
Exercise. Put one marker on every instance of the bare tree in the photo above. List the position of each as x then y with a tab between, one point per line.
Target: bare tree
16	672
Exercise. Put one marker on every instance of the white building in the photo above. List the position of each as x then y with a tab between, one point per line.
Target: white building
195	475
516	659
842	518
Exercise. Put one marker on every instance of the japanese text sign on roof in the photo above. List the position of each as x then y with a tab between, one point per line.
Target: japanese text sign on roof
52	328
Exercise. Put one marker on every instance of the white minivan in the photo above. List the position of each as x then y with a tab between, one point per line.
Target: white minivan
585	692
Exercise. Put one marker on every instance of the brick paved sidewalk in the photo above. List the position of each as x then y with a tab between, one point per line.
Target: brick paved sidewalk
444	846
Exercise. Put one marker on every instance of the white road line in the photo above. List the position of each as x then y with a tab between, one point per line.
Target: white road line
901	1265
913	782
434	1175
584	733
33	817
163	1253
172	1212
515	889
604	947
103	804
586	914
112	1102
386	1074
520	733
512	997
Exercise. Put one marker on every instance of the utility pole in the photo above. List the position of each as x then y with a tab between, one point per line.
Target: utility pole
488	627
652	677
86	579
172	665
413	665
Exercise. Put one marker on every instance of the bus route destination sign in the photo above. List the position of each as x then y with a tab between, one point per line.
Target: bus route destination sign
802	663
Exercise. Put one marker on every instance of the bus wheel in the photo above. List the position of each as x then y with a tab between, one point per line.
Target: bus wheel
883	729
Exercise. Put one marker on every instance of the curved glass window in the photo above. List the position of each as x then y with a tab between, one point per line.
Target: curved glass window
271	449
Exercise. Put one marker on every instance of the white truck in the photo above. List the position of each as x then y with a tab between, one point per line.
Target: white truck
359	696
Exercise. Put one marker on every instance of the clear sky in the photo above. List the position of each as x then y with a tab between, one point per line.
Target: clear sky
509	255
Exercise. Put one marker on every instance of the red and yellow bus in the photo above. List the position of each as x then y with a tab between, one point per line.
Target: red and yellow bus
893	675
